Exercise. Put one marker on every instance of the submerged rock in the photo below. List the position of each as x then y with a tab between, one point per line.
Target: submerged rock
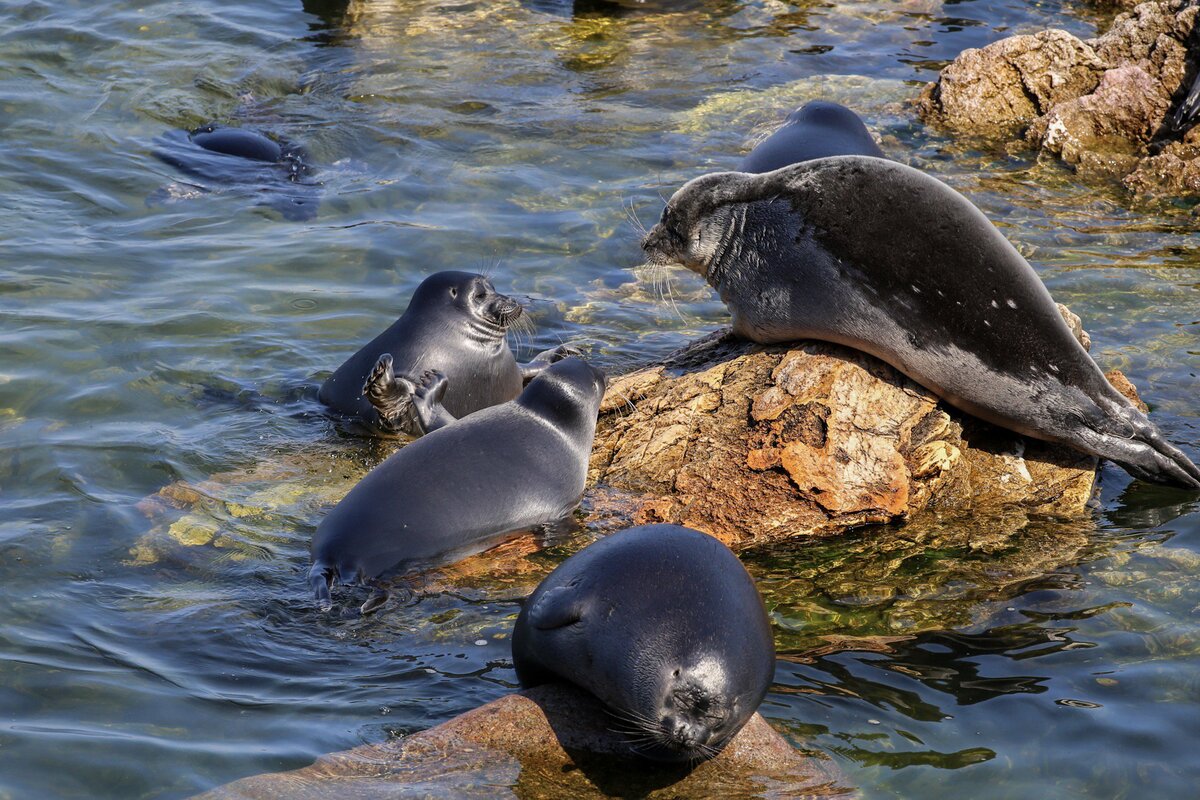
552	741
1103	105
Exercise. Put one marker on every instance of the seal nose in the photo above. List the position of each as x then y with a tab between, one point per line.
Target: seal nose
506	310
682	733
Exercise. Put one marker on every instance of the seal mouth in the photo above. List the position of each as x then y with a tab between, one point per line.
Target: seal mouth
504	311
661	246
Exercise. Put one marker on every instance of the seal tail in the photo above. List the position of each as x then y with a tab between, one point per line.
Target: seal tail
1131	440
320	578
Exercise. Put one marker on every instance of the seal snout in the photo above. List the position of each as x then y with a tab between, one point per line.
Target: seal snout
505	310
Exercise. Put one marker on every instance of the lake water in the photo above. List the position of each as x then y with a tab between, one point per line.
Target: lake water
153	338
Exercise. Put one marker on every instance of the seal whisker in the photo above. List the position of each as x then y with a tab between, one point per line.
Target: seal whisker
634	219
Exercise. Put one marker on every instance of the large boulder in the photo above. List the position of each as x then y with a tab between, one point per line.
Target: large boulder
1102	105
757	444
1003	87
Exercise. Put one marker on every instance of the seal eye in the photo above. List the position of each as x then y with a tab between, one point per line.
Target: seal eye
454	291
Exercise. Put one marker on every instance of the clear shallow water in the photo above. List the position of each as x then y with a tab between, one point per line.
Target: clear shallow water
1060	661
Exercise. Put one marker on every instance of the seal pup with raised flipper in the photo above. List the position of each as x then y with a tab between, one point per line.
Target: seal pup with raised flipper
465	486
662	624
456	324
883	258
818	129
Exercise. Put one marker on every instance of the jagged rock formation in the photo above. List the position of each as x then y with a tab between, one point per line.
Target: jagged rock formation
1103	105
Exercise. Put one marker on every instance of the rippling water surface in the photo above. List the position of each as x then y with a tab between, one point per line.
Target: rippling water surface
158	644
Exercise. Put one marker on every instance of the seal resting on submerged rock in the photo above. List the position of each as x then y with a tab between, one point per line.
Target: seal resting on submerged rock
456	324
465	486
664	625
883	258
818	129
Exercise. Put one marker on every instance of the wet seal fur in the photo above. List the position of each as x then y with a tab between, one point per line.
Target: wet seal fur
466	486
456	324
883	258
664	625
818	129
220	156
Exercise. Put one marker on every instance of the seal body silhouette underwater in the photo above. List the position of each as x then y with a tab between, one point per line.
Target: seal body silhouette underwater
880	257
222	157
818	129
456	324
465	486
664	625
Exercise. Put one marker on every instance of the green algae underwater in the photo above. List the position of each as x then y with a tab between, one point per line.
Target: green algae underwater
163	463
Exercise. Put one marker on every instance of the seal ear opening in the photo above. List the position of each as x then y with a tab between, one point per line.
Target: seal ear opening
557	608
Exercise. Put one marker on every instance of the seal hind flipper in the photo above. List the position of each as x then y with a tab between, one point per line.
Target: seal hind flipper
390	394
547	357
378	598
1128	438
558	607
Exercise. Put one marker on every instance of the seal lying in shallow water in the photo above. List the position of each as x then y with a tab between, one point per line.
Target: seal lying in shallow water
465	486
222	157
455	324
818	129
661	623
883	258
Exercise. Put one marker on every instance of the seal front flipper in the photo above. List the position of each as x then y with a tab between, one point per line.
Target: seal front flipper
559	607
391	395
427	405
546	358
320	578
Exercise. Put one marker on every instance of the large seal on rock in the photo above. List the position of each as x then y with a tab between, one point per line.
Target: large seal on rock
818	129
883	258
661	623
465	486
456	324
220	157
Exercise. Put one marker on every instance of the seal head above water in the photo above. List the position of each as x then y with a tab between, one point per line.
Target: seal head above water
883	258
818	129
219	157
456	324
662	624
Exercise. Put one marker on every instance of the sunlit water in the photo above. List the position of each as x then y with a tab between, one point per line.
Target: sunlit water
150	337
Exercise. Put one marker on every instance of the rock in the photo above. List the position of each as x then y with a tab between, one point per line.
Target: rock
551	741
1101	105
1004	86
1076	325
757	444
1176	171
1152	36
1124	110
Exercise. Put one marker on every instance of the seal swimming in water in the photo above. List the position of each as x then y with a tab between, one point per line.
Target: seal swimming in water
817	129
220	156
463	487
880	257
662	624
456	324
